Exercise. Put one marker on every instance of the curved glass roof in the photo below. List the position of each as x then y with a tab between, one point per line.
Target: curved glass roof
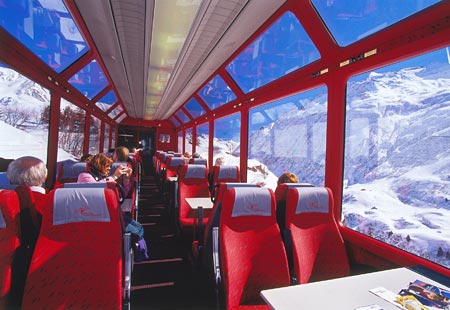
350	20
284	47
216	93
90	80
46	28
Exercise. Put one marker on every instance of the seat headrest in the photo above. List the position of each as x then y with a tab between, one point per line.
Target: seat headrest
74	205
282	189
227	172
4	178
175	161
116	165
166	156
86	185
251	201
195	171
312	200
73	170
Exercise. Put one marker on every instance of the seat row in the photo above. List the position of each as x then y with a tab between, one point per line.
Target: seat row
244	250
81	257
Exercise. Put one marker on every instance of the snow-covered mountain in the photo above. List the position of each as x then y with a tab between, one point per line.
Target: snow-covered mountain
397	159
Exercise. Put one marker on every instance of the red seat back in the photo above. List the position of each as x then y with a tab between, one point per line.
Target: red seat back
77	261
192	182
222	173
68	172
9	240
318	247
252	252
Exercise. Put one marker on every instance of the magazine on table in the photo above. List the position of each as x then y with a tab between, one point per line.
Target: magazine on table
424	296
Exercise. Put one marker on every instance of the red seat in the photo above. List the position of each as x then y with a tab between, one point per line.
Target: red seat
207	248
252	252
68	172
223	173
318	247
9	240
77	261
192	182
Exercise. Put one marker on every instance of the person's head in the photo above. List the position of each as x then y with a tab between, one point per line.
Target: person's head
28	170
196	155
220	161
101	163
287	177
187	154
86	158
121	154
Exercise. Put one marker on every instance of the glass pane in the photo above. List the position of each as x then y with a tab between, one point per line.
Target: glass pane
120	118
188	140
216	93
397	141
194	108
182	116
288	135
90	80
350	21
202	144
113	137
281	49
106	101
116	111
227	139
46	28
106	145
71	129
174	121
180	141
94	135
24	116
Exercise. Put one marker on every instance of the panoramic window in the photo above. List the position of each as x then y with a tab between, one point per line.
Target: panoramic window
227	139
180	142
288	135
116	111
46	28
71	130
106	145
188	140
90	80
284	47
216	93
182	116
202	144
113	137
120	117
106	101
397	142
174	121
194	108
94	135
350	21
24	116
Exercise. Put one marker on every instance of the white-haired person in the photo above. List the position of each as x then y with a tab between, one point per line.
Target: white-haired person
29	174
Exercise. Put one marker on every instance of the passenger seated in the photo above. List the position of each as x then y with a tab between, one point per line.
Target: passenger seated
99	168
29	174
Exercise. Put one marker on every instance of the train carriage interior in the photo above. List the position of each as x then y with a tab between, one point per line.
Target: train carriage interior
215	100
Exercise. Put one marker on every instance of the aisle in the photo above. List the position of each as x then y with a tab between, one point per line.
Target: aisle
166	281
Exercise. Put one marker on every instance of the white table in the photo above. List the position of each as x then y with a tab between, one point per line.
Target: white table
195	203
344	293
